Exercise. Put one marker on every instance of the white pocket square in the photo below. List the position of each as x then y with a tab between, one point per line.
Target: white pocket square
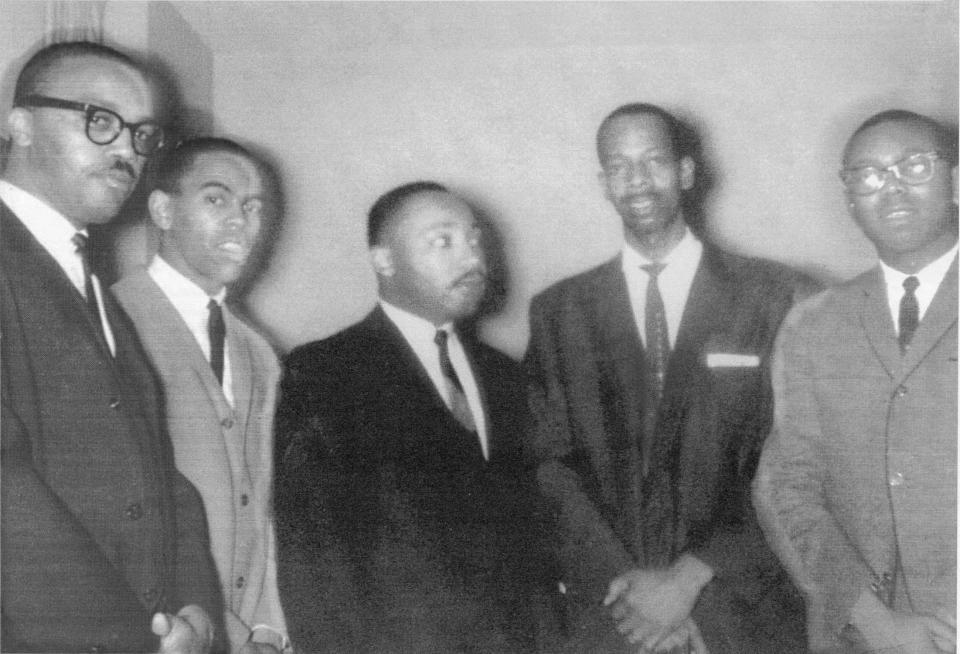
727	360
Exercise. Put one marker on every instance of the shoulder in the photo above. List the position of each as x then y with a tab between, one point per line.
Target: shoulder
344	349
130	287
584	284
822	312
758	276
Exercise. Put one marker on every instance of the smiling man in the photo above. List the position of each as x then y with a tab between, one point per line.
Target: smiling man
651	398
402	511
104	544
857	483
218	374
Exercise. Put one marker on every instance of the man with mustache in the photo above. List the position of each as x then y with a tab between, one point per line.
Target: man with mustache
650	400
104	543
402	511
857	486
219	375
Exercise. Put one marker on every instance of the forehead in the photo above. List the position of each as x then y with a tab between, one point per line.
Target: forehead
431	210
645	131
232	170
889	142
105	82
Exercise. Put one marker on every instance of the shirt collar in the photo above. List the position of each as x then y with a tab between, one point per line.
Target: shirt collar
688	249
50	227
929	276
414	328
187	297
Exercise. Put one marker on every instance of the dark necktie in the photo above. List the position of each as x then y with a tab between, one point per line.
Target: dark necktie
657	350
909	312
80	242
217	332
458	399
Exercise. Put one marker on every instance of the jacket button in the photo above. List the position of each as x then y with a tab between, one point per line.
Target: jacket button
97	649
896	479
901	391
150	595
114	403
134	511
244	500
240	582
226	423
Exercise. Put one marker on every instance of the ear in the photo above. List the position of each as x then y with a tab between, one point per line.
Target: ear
687	173
382	259
160	212
20	126
604	189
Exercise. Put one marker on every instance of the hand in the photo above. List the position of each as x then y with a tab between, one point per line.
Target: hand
942	627
686	639
906	633
649	605
190	631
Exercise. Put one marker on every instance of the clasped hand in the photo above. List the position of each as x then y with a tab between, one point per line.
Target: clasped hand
652	607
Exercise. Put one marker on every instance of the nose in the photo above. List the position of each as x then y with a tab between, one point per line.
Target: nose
892	183
639	174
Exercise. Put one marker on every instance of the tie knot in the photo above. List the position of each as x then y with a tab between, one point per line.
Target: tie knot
440	338
654	269
213	305
80	243
910	284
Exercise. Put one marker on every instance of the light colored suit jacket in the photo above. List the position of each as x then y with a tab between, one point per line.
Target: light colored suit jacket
861	464
225	451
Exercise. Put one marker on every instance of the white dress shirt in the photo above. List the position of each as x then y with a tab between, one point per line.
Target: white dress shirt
929	277
674	282
191	301
55	233
420	333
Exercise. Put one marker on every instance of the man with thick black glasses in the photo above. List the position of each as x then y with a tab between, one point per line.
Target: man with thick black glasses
104	543
856	488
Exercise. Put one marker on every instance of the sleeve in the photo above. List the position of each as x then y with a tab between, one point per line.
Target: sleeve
60	592
590	553
790	498
315	575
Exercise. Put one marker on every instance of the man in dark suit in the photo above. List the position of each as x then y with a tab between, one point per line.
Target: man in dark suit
104	544
650	400
857	486
401	507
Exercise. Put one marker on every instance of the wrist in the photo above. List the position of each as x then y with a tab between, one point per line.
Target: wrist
693	571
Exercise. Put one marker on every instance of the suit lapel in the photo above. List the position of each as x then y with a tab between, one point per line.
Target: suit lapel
940	316
241	370
877	324
31	261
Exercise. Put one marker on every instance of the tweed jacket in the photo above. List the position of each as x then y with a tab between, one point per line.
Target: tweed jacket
860	470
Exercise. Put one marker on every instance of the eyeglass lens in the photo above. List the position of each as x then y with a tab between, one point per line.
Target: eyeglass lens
915	169
104	126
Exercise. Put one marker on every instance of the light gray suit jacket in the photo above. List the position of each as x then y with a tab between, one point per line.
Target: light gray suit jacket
861	466
225	451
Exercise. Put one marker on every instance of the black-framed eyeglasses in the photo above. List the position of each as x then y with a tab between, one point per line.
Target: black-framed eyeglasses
104	125
867	180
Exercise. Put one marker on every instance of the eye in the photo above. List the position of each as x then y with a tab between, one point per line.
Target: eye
661	161
915	166
616	169
101	121
441	241
253	207
215	199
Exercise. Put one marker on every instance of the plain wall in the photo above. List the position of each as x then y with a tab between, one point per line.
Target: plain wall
501	102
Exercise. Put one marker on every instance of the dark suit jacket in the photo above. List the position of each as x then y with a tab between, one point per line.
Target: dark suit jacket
585	364
394	534
98	529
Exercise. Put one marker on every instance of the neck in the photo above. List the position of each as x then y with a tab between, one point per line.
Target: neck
910	263
657	245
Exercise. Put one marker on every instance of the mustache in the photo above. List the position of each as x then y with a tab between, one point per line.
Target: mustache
124	166
476	274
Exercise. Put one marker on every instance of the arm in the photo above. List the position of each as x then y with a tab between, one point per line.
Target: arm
592	553
789	495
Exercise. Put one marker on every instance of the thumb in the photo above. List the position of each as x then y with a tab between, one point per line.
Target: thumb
161	624
617	587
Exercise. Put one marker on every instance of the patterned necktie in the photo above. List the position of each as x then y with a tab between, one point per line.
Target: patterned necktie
217	332
458	399
909	312
657	350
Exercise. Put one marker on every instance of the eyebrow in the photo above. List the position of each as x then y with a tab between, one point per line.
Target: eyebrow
219	185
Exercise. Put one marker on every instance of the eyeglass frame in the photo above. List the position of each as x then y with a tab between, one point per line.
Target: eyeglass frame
892	169
90	110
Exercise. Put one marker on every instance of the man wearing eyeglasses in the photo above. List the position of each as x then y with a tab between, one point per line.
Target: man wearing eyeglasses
104	544
857	484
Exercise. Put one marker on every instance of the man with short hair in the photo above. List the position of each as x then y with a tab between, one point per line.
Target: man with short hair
650	399
402	508
857	486
104	544
219	375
